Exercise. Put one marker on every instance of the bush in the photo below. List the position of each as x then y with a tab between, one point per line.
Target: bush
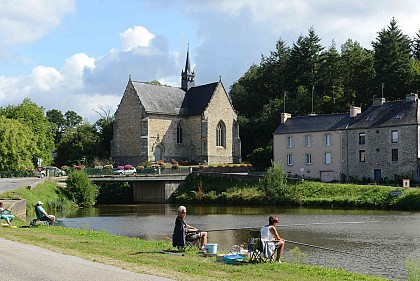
80	189
275	187
261	157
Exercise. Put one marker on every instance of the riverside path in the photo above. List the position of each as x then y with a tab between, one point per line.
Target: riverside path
22	262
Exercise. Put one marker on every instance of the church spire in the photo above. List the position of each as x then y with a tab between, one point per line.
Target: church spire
187	77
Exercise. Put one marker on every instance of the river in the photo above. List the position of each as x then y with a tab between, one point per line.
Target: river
368	242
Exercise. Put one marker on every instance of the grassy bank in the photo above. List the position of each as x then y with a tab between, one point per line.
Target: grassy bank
48	192
211	190
140	256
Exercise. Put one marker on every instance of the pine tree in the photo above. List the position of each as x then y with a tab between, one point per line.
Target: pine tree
392	61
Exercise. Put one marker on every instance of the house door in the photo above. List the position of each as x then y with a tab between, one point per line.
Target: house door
377	175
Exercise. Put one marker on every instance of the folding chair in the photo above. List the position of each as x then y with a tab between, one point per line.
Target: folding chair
192	240
259	249
183	241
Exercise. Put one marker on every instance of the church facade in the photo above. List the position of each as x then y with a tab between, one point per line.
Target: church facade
192	123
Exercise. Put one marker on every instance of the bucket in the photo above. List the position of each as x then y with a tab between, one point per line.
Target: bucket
211	249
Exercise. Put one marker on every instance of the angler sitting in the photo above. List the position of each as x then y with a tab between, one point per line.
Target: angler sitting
184	233
5	214
42	215
271	240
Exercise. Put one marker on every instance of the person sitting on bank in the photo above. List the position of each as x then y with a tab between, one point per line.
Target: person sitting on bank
42	215
181	230
271	239
5	214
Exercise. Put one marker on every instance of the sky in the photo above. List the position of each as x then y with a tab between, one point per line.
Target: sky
78	55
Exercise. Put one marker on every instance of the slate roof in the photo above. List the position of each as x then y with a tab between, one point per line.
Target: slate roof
158	98
172	100
395	113
316	123
197	98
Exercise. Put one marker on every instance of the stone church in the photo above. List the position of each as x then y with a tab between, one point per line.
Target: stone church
192	123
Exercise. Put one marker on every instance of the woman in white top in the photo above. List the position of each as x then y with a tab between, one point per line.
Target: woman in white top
269	233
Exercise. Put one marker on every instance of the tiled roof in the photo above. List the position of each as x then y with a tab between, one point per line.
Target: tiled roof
172	100
315	123
395	113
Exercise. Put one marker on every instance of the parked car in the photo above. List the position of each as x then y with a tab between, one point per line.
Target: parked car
50	171
121	170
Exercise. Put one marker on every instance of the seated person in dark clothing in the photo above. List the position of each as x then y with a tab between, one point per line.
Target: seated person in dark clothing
182	230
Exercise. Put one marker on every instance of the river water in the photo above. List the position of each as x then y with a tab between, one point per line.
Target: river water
368	242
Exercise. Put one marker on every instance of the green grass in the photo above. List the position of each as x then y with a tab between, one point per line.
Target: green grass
140	256
310	194
48	192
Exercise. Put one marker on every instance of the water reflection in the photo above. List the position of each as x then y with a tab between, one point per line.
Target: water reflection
387	238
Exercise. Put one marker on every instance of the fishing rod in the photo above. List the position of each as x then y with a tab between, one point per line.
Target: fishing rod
289	225
328	249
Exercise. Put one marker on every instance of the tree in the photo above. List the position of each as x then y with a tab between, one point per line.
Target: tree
416	46
57	118
77	145
104	127
331	83
303	71
392	59
72	119
16	145
358	74
32	116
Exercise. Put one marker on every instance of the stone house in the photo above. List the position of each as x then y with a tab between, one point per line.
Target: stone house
380	143
190	123
383	141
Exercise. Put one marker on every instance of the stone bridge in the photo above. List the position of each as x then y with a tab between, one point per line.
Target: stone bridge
148	189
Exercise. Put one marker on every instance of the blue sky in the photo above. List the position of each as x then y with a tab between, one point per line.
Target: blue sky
77	55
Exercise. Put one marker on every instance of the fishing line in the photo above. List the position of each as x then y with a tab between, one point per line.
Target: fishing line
290	225
325	248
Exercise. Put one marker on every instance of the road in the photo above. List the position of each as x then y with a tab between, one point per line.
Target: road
13	183
21	262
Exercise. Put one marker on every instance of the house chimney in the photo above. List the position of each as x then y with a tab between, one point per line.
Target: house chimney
378	101
284	117
355	110
411	97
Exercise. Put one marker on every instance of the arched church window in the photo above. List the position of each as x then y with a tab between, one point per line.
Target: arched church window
192	154
158	153
179	133
221	134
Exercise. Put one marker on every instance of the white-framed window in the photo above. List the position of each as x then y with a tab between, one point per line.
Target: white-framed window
362	138
289	159
362	156
308	141
394	136
328	158
327	139
289	142
308	158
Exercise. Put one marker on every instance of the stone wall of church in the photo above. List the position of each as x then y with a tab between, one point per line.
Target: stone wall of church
218	110
163	134
125	146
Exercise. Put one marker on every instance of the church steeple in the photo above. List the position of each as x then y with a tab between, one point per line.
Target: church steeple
187	77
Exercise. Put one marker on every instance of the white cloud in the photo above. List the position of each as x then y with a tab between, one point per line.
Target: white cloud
136	37
25	21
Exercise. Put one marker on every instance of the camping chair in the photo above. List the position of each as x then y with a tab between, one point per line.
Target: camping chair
192	240
259	249
188	241
38	220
